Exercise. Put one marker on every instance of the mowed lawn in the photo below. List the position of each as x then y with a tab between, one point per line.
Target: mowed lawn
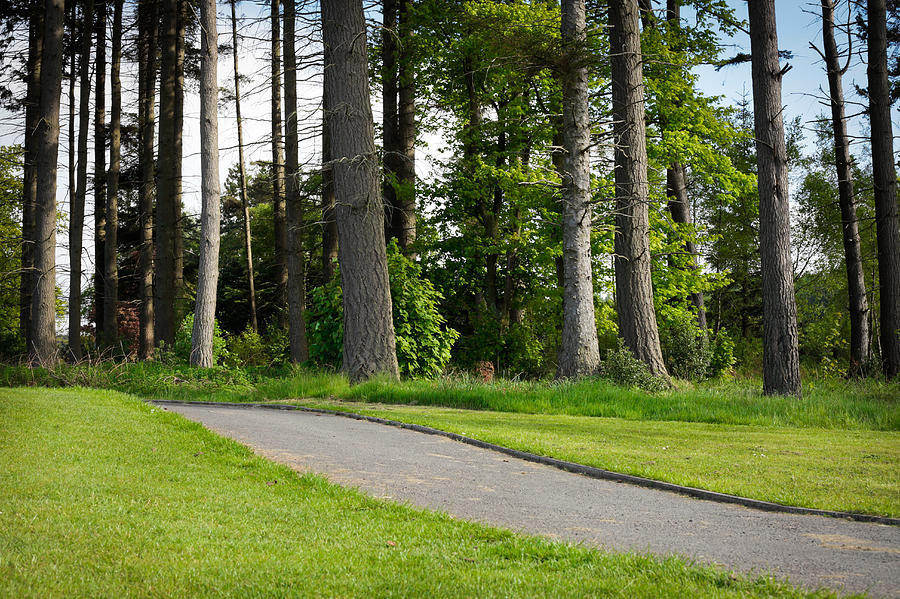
104	496
846	470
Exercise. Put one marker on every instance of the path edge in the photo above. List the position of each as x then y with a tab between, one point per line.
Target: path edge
589	471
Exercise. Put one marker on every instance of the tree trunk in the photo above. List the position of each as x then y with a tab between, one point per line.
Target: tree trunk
164	224
405	216
76	218
278	210
110	268
390	118
177	156
634	288
781	362
208	275
329	227
579	353
29	183
147	24
680	209
242	174
43	304
296	263
887	224
860	342
369	346
100	170
73	216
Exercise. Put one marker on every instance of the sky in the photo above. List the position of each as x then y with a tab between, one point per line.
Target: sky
798	24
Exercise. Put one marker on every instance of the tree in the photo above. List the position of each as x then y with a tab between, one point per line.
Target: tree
242	173
278	208
781	359
579	353
293	200
147	37
887	222
860	352
207	280
100	169
634	289
42	350
76	216
369	346
110	267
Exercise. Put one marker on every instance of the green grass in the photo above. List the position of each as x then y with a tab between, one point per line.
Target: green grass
844	470
103	496
833	404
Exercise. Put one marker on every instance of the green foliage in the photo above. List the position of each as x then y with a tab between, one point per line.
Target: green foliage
722	357
622	368
246	349
422	337
11	342
182	349
686	349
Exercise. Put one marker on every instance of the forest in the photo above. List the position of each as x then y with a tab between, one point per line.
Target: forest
525	189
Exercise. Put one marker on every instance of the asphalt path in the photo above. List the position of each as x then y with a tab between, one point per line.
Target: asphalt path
478	484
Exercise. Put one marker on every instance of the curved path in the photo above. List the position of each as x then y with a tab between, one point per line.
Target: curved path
468	482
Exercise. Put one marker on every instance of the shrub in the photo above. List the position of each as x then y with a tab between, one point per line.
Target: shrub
685	347
722	355
622	368
182	347
246	349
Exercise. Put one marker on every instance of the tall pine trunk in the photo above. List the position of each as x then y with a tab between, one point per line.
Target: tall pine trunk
147	27
329	227
242	174
100	170
390	118
76	218
110	268
181	307
405	221
278	210
634	288
369	346
208	275
43	304
781	360
887	224
579	353
296	263
860	341
29	183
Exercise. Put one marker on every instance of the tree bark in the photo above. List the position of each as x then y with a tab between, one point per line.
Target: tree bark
110	268
147	24
164	224
887	223
278	209
208	275
177	156
76	215
390	118
100	170
29	183
329	227
405	216
781	361
296	263
242	174
634	288
579	353
860	342
42	351
369	346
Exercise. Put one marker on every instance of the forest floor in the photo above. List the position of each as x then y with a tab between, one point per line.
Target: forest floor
102	494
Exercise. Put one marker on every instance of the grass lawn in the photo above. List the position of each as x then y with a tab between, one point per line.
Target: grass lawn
104	496
845	470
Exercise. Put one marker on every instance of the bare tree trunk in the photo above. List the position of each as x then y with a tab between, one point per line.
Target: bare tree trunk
73	216
329	227
110	268
43	304
405	219
242	174
887	223
860	342
369	346
296	263
29	183
390	118
164	224
76	218
208	275
148	26
680	209
278	209
634	288
781	361
181	307
579	353
100	170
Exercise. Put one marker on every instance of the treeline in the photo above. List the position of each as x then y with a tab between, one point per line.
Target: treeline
592	199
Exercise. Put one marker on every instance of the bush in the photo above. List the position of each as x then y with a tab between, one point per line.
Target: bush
622	368
685	347
422	337
722	355
182	347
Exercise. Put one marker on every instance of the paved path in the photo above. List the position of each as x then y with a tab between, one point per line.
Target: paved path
477	484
